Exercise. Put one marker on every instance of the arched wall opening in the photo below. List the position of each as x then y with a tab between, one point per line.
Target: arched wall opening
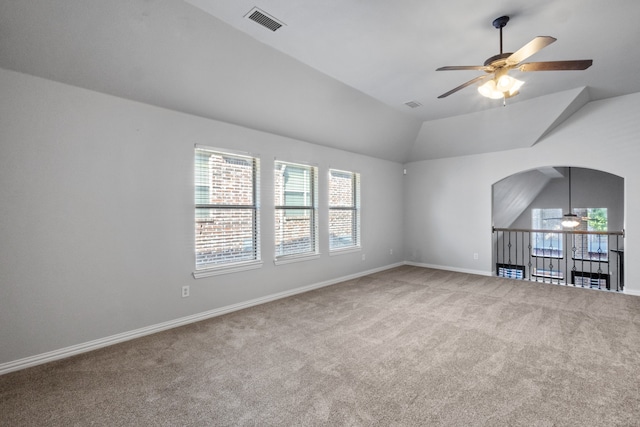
538	199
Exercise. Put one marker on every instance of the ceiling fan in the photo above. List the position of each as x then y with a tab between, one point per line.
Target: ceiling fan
497	84
570	219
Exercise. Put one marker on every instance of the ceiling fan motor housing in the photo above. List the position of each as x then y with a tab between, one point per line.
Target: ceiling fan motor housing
498	60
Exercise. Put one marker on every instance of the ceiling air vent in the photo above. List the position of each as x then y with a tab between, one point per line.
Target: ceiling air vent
264	19
413	104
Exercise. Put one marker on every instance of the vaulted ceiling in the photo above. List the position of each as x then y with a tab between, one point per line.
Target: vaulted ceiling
337	73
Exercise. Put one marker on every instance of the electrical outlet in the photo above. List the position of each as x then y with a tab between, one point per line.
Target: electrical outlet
390	251
364	257
475	255
185	291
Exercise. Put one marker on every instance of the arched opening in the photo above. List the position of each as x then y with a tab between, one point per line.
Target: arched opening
530	242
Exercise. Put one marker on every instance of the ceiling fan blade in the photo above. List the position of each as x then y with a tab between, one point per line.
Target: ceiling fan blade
462	86
464	67
579	64
529	49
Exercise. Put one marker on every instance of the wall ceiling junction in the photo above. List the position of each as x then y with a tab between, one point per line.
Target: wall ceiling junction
337	73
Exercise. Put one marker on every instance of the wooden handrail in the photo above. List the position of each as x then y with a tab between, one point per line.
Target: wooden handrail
526	230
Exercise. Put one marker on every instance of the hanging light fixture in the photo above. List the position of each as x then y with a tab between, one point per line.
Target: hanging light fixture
570	220
502	86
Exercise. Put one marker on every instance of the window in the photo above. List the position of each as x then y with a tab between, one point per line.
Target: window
511	271
296	209
344	210
546	244
592	246
226	205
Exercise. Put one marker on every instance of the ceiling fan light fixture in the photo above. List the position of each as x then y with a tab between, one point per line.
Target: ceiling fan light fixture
505	83
502	87
489	90
515	87
570	221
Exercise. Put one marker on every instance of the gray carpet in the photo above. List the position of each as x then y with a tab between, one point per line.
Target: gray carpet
405	347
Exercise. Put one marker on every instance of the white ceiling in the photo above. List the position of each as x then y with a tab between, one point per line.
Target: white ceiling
339	71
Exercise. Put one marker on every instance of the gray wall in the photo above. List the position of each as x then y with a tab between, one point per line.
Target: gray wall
97	216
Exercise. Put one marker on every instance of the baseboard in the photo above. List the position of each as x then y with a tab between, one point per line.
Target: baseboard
73	350
631	292
448	268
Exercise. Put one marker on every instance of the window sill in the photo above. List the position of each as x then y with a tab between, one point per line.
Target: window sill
335	252
235	268
295	258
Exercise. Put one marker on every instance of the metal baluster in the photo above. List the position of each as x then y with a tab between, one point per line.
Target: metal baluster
573	258
509	247
599	259
503	259
590	262
516	246
539	259
582	258
566	258
620	282
617	264
497	251
609	263
551	258
530	255
524	273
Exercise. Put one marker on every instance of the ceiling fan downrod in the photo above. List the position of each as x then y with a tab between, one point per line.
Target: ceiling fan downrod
500	23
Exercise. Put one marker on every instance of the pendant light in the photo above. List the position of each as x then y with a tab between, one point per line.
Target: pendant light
570	220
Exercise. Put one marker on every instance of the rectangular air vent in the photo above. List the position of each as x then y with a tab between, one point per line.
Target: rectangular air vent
264	19
413	104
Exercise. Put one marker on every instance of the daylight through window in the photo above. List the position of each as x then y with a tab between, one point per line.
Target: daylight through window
592	246
226	208
344	209
547	244
296	209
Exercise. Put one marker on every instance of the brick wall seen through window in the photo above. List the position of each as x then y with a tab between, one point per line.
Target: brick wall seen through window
226	199
344	209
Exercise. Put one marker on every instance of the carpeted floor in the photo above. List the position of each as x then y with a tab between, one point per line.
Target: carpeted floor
408	346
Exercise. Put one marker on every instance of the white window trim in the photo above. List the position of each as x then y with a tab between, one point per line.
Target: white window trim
227	151
357	208
216	270
290	259
315	210
235	268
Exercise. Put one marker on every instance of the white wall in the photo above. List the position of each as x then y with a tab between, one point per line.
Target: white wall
97	217
448	201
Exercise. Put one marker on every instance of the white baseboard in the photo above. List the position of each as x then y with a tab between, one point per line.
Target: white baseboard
631	292
73	350
448	268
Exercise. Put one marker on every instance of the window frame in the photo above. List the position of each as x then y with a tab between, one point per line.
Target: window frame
354	207
592	254
230	266
311	194
554	235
